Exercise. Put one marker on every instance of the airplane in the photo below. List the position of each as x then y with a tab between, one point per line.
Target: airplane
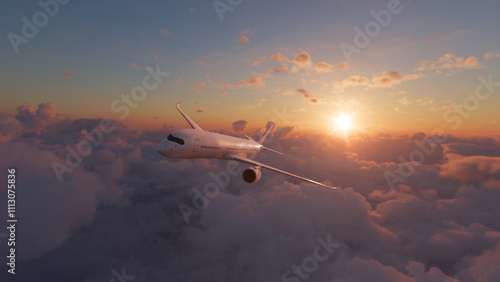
196	143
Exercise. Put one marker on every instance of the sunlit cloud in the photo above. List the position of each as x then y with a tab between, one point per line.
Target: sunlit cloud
450	62
280	58
244	36
260	61
323	67
491	55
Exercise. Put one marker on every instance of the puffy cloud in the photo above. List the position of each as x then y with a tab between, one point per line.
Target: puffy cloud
354	80
391	78
10	128
491	55
256	81
302	59
244	36
343	66
472	169
387	79
65	207
260	61
283	68
66	74
483	267
122	205
35	121
323	67
308	96
450	62
280	58
239	125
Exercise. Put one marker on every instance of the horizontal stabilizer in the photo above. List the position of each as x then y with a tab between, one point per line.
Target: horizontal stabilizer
271	150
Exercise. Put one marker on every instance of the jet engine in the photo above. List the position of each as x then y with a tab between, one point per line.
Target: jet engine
251	174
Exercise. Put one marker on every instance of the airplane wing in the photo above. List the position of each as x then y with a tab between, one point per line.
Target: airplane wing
188	119
252	162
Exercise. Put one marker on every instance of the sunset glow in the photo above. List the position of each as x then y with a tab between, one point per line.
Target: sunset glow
380	160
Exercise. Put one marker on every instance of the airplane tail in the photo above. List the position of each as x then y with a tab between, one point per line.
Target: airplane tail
261	140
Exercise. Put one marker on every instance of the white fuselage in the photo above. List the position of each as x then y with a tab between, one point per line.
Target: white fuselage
193	144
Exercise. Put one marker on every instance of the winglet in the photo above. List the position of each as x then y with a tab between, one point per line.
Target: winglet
261	140
188	119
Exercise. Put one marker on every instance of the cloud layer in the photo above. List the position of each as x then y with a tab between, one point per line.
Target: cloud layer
120	208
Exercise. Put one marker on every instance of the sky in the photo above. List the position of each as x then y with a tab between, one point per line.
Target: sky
395	102
242	62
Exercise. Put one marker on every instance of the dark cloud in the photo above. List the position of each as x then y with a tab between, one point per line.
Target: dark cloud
239	125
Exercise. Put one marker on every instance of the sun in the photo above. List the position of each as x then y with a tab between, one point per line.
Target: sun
343	123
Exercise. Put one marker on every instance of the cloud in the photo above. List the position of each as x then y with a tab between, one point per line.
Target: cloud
199	111
280	58
244	36
308	96
66	206
66	74
223	92
472	168
256	81
259	61
323	67
10	128
491	55
450	62
123	203
35	121
283	68
239	125
134	66
198	85
343	66
354	80
164	32
429	38
387	79
302	59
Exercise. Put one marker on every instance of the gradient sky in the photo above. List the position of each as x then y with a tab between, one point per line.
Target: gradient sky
91	52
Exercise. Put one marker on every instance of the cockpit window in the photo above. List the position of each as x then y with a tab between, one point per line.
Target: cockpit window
175	139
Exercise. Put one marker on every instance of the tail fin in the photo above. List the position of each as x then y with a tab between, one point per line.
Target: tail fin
261	140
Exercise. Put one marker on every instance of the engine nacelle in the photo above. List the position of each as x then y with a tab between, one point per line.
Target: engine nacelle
251	174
